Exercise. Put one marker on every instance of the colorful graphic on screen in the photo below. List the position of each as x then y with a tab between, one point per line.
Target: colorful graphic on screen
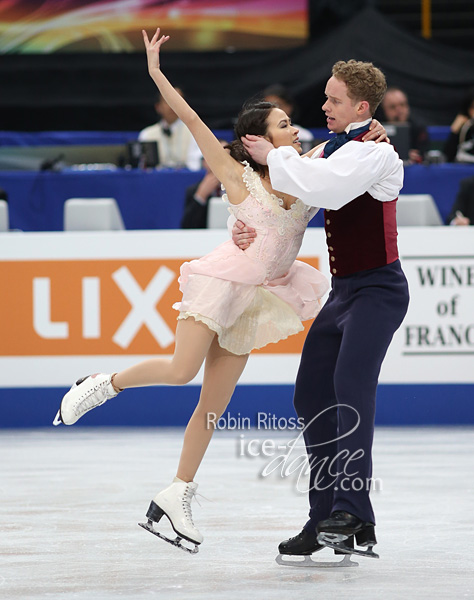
115	26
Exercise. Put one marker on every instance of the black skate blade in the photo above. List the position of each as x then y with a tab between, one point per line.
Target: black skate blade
176	542
287	560
337	541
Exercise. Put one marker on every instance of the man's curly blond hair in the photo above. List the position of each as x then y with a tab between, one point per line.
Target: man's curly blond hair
363	81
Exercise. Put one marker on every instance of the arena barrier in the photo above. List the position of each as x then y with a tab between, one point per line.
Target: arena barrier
79	303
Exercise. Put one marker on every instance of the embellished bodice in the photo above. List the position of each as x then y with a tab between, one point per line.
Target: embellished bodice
279	231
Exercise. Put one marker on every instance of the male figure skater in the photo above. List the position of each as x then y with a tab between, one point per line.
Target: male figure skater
358	185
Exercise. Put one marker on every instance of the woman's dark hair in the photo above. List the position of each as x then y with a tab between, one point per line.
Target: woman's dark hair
252	120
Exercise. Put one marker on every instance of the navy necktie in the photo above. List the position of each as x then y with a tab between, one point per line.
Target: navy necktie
341	138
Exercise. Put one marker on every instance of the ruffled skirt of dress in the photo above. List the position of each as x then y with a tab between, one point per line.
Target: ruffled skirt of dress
228	291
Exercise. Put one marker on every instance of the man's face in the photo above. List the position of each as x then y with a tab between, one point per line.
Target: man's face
340	110
395	106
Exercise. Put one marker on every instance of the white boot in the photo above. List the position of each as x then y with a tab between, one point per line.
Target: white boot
175	502
85	394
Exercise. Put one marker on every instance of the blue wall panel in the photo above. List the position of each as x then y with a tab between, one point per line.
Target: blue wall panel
172	406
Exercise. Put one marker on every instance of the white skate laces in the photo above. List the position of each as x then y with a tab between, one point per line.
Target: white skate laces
188	495
85	394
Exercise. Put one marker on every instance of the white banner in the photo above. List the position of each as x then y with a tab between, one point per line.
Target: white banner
435	343
75	303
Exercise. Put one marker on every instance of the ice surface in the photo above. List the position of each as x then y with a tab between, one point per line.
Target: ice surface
71	498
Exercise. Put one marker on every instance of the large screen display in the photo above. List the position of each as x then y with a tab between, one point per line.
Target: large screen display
31	26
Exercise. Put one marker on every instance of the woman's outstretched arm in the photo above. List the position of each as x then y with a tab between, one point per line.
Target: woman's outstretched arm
224	167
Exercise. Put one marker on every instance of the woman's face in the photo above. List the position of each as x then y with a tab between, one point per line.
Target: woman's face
280	131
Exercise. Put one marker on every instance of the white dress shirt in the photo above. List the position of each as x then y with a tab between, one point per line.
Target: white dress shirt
178	149
355	168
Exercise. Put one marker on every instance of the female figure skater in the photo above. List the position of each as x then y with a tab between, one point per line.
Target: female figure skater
233	300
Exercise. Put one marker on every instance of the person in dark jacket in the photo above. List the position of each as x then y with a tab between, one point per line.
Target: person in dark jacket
197	198
459	146
462	212
396	109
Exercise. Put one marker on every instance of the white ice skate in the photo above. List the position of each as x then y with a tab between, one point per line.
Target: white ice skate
175	503
87	393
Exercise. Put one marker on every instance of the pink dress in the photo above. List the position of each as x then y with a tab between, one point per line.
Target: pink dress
253	297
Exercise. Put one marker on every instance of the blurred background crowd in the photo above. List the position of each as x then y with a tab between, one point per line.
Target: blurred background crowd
76	92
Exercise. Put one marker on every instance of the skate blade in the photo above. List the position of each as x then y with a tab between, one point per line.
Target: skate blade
336	542
176	542
286	560
57	419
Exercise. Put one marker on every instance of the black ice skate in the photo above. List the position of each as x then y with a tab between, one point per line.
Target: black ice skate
304	545
337	531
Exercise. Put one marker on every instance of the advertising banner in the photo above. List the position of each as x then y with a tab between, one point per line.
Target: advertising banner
82	302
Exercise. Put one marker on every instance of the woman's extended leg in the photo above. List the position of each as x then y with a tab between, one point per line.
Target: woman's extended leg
221	374
193	340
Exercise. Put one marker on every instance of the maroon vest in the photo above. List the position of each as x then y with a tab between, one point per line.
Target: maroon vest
361	235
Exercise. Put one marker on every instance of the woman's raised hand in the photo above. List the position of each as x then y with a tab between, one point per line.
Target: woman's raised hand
153	48
377	133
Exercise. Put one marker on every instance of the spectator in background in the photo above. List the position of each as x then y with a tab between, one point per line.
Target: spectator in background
176	146
396	110
197	198
280	96
459	146
462	212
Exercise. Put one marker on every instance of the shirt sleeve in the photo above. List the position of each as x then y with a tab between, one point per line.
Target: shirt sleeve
354	169
194	156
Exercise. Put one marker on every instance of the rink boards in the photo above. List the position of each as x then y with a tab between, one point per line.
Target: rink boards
75	303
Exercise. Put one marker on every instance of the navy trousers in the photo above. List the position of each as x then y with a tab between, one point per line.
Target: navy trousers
336	386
